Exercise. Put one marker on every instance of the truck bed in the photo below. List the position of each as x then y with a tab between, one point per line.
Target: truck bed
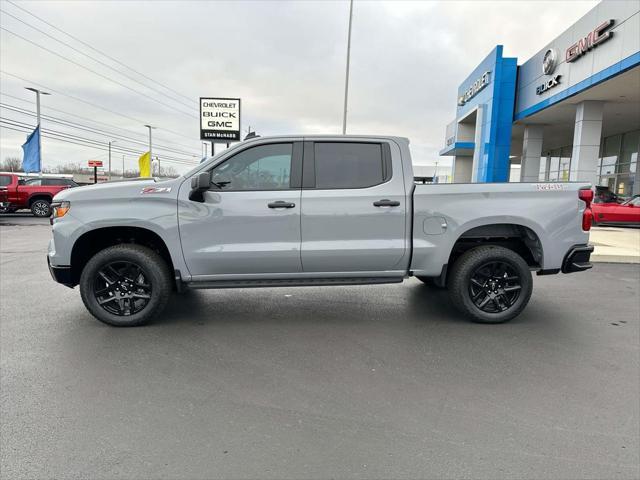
548	214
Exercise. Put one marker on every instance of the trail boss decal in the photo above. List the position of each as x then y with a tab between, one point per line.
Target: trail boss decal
550	187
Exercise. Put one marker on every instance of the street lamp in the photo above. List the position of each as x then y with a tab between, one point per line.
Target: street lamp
38	93
346	76
110	143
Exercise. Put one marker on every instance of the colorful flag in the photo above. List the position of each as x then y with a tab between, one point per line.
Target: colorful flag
31	149
145	164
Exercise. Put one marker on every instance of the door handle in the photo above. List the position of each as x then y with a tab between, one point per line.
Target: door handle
281	204
386	203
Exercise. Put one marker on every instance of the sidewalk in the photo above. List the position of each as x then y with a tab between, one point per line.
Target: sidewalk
614	244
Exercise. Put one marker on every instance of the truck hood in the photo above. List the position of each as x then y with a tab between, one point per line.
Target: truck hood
120	189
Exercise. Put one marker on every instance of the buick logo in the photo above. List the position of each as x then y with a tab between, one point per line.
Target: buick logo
549	61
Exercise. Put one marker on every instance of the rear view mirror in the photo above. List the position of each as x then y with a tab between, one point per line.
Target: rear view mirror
199	184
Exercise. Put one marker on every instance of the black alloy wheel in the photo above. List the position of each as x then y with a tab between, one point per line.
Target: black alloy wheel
490	284
126	285
122	288
495	287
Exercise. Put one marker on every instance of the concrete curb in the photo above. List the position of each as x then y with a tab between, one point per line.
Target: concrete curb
614	259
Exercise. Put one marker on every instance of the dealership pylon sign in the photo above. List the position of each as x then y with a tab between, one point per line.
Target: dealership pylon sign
220	119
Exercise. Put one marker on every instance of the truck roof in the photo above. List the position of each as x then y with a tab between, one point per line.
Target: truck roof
327	137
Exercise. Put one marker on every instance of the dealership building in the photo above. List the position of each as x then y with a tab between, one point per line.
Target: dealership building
569	113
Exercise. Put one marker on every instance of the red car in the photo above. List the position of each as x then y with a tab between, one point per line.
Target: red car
34	193
627	213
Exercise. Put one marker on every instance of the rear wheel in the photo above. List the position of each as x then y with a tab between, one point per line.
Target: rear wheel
41	208
490	284
125	285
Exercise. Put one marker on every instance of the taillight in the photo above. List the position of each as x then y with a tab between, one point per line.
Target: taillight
586	195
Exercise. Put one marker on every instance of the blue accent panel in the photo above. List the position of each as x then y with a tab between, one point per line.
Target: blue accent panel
615	69
497	99
451	150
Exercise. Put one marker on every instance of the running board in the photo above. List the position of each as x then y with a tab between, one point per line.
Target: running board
297	282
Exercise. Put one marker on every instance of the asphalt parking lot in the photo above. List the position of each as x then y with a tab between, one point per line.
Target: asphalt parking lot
335	382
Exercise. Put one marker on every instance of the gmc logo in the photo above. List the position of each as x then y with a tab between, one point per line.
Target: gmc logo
595	38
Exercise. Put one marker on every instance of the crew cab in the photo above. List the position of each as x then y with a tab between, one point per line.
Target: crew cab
314	210
33	193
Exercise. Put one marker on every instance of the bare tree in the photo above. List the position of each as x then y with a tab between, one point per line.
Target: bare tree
11	164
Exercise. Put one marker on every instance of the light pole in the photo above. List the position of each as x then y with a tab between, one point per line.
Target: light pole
346	77
110	142
151	146
38	93
123	166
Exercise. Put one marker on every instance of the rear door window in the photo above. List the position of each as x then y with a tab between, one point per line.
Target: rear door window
348	165
5	180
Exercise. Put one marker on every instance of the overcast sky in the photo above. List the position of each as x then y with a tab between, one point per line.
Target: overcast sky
284	59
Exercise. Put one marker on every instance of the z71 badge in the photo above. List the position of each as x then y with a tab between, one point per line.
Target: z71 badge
156	190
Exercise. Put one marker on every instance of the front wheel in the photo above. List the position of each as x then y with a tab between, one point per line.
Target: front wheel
41	208
125	285
490	284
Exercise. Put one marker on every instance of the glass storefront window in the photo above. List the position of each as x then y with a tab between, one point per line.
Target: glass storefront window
619	162
554	165
565	164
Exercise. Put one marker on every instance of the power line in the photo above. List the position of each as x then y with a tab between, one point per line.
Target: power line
83	141
75	115
181	102
88	128
98	51
95	105
99	74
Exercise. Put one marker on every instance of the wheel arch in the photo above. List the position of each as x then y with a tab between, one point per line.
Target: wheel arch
519	238
95	240
39	196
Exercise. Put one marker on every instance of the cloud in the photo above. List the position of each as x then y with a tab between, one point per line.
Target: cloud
286	60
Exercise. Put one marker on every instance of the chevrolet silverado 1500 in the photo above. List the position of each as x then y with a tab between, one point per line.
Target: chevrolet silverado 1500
314	210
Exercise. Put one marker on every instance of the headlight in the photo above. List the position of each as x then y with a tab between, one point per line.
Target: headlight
60	209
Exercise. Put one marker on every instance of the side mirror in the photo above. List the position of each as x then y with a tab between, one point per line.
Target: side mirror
200	184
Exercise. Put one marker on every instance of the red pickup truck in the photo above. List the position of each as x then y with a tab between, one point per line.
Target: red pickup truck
33	193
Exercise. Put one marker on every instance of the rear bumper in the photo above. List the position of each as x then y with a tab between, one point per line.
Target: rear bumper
61	274
577	259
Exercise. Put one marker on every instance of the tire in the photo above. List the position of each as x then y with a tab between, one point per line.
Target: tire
125	285
430	282
490	284
41	208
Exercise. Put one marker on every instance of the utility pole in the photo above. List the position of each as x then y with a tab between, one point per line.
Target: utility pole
123	166
38	93
110	142
346	77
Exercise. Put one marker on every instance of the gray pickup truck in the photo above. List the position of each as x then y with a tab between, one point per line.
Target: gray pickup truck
314	210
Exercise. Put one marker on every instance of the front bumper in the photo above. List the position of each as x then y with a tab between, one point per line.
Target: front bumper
61	274
577	259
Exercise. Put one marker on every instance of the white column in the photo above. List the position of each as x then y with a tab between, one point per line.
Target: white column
462	169
477	142
586	142
531	153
